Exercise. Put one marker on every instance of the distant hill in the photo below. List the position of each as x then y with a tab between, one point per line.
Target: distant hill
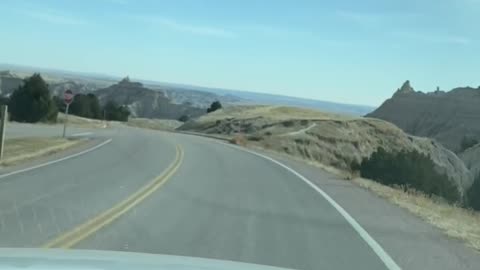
57	88
82	82
144	102
58	74
270	99
253	98
59	81
9	82
196	98
449	117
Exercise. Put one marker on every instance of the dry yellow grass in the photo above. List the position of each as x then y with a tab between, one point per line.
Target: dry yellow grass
239	139
81	122
19	150
271	112
155	124
455	221
333	140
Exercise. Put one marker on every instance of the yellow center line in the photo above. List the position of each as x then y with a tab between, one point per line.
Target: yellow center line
86	229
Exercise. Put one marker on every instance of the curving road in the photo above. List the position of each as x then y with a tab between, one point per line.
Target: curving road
201	198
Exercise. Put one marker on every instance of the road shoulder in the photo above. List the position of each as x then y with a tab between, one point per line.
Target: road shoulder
48	154
412	242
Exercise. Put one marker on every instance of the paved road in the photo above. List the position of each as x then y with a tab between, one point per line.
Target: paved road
221	203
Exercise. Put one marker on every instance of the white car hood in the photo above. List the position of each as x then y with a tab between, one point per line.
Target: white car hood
42	259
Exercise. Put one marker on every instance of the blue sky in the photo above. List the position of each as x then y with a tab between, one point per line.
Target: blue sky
345	51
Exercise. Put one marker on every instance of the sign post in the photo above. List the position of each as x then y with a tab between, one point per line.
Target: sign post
67	98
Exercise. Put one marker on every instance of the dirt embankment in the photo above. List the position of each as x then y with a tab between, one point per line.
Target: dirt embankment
332	140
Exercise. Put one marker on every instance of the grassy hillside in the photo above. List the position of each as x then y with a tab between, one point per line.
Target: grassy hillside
333	140
80	121
156	124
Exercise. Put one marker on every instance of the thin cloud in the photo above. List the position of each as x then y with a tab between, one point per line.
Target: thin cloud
359	17
53	16
434	38
372	18
292	34
276	32
187	28
453	40
271	31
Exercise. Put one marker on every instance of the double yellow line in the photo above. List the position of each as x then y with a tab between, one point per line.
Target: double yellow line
84	230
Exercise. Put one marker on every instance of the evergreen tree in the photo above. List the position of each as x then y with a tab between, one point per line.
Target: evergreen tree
32	103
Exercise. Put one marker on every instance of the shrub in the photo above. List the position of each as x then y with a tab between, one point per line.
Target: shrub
183	118
354	166
255	138
288	123
410	169
473	194
4	100
214	106
115	112
32	102
86	106
238	139
467	142
59	103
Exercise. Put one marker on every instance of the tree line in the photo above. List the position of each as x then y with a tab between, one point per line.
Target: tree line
32	102
411	169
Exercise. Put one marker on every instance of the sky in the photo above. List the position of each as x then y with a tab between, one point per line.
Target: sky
347	51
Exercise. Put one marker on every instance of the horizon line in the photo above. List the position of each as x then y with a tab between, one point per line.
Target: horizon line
118	77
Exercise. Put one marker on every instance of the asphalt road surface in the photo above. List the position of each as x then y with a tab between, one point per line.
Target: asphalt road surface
206	199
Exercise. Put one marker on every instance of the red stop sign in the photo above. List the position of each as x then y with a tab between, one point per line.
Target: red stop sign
68	97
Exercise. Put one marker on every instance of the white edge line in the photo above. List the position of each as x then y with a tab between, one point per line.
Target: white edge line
379	251
56	160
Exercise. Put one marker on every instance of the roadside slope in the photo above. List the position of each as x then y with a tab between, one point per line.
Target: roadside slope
333	140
